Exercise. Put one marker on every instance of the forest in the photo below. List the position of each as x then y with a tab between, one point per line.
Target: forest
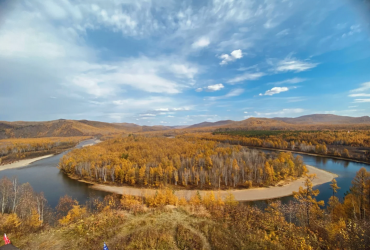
347	144
16	149
179	162
165	221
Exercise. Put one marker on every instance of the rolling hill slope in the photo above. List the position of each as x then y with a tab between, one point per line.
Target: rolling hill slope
210	124
62	128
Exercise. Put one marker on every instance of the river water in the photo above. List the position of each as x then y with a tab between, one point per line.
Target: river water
346	171
44	176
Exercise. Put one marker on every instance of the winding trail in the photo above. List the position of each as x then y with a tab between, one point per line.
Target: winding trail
252	194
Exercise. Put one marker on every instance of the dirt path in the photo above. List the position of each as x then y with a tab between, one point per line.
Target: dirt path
240	195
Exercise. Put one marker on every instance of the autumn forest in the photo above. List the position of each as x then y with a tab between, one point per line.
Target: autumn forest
158	162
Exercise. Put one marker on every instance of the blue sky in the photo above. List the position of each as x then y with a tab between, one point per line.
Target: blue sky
183	62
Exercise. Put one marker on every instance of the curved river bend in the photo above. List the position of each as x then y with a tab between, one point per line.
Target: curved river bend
44	176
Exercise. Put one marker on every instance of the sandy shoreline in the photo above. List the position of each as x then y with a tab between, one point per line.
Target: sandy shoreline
94	143
22	163
253	194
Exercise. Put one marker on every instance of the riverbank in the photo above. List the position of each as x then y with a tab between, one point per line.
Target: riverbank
25	162
22	163
311	154
252	194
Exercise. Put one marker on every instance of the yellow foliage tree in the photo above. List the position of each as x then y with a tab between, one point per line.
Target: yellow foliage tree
306	196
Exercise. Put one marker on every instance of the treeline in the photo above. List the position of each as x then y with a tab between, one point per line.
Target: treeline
156	162
358	138
327	143
165	221
15	149
27	208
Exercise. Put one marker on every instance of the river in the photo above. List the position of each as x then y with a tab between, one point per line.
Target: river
346	171
44	176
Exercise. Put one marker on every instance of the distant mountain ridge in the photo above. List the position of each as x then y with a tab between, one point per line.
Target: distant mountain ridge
284	122
211	124
325	118
62	128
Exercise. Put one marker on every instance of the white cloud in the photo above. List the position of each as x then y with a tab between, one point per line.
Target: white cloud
237	54
361	100
147	115
353	30
275	90
215	87
245	112
146	74
290	81
234	55
359	95
141	103
283	32
364	86
171	116
199	90
232	93
246	77
202	42
282	112
181	109
291	64
183	70
162	109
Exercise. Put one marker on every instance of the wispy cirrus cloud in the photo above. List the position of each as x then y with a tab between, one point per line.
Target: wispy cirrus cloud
246	77
364	87
283	112
211	88
295	65
232	93
356	93
361	100
275	90
290	81
359	95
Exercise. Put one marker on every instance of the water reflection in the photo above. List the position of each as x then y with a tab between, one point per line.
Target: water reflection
44	176
346	171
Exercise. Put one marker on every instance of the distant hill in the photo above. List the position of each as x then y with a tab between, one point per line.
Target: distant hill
307	122
62	128
210	124
325	119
